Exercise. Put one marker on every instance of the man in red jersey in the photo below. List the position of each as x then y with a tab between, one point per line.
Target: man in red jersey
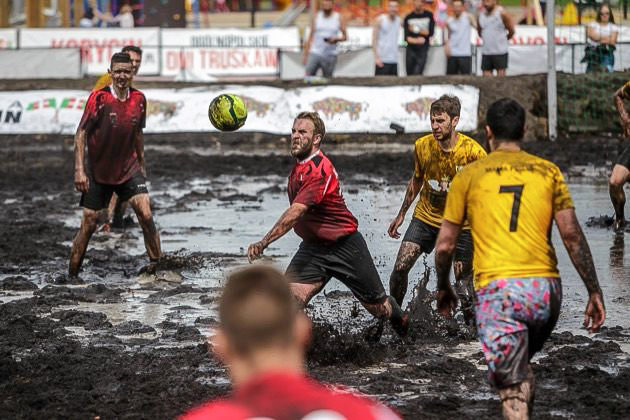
262	337
112	124
332	245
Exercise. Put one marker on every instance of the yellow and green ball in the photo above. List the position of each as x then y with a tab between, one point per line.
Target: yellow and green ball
227	112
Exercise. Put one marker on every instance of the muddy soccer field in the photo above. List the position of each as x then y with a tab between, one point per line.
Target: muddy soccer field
114	347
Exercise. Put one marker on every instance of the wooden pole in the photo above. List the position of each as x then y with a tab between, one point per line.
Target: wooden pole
34	13
538	11
78	11
64	10
4	13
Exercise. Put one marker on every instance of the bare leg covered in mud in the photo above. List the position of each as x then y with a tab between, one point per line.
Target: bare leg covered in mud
517	401
388	309
80	242
399	280
464	288
142	207
620	175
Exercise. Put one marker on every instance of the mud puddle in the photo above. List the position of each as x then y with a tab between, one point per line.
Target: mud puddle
115	347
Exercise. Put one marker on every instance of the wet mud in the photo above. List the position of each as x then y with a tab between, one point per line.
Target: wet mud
112	346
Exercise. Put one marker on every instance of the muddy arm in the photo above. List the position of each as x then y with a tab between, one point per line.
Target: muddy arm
580	253
81	182
621	109
286	222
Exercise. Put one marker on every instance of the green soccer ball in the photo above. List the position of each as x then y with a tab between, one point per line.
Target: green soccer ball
227	112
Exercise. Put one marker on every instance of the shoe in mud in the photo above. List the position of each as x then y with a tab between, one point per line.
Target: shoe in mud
374	332
147	274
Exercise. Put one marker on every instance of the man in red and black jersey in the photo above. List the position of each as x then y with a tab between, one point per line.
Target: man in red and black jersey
332	245
111	126
261	338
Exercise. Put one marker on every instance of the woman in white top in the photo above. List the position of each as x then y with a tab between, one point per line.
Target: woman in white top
601	39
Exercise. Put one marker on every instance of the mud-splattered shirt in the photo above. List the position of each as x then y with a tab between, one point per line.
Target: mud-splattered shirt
509	199
314	183
112	125
287	396
437	169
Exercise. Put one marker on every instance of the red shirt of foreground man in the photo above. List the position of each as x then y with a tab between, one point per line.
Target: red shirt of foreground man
314	183
290	396
112	125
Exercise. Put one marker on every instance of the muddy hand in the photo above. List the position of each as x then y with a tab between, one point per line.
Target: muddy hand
255	251
446	302
393	227
81	182
595	313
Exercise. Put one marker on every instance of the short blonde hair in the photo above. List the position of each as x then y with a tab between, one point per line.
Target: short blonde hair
318	124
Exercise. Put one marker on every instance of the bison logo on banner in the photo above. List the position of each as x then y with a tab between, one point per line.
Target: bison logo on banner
420	107
331	106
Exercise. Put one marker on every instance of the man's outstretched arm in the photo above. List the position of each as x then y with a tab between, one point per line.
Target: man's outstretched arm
286	222
580	253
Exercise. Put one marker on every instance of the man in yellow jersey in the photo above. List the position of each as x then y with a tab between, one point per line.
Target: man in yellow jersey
511	199
115	212
621	171
438	157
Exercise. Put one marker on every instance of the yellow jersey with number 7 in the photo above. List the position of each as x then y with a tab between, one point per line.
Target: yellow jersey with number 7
509	200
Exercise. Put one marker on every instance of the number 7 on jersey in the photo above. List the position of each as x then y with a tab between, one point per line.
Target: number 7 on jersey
517	190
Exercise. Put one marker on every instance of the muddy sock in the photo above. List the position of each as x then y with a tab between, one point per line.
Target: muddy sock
398	319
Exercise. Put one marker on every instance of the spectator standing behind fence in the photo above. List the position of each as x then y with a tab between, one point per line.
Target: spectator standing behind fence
495	27
457	48
385	35
320	51
419	26
601	40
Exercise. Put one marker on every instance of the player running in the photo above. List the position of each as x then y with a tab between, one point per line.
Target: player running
621	171
332	245
511	199
438	157
112	124
115	212
262	338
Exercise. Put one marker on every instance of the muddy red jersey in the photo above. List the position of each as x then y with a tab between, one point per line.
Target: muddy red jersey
282	396
314	183
112	125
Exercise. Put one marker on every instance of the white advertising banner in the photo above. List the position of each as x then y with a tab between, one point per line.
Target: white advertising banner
204	63
8	38
353	109
288	37
98	44
201	54
344	109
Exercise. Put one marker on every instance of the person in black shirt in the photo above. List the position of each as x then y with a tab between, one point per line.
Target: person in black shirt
419	26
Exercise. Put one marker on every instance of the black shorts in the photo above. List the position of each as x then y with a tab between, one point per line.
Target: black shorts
459	65
494	62
425	235
348	260
388	69
99	195
624	158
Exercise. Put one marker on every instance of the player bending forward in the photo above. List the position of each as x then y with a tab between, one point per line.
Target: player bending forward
331	246
621	170
262	338
438	157
511	199
112	124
